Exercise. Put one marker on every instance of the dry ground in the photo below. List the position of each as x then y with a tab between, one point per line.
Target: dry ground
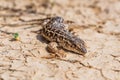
22	60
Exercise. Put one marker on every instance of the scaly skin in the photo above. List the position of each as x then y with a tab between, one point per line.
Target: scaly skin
54	31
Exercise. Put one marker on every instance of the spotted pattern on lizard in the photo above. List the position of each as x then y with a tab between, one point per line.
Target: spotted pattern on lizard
54	31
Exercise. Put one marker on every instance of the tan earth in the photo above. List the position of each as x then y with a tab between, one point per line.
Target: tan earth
98	24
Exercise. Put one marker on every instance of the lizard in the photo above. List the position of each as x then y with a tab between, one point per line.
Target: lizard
54	31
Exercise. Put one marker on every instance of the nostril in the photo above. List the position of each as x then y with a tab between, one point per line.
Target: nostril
84	50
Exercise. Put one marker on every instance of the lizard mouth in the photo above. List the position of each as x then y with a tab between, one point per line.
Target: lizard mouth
84	50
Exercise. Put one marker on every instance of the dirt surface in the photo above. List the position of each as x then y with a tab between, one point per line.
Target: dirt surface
100	29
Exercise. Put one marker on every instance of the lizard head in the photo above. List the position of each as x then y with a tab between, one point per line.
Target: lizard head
79	46
75	44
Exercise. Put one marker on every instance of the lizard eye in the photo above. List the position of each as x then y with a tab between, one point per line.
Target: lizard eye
73	46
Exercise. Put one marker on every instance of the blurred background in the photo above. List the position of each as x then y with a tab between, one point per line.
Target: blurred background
97	22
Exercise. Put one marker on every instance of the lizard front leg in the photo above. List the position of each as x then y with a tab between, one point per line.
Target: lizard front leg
55	50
